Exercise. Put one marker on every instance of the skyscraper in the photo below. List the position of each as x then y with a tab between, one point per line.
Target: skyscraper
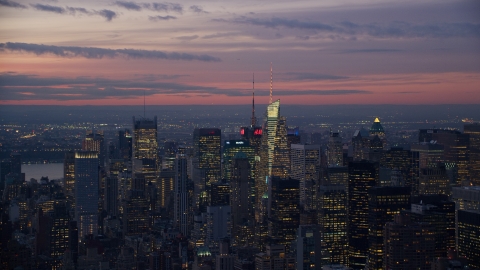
468	235
308	248
383	204
94	141
332	220
86	192
182	214
408	245
207	149
473	131
230	149
305	164
362	175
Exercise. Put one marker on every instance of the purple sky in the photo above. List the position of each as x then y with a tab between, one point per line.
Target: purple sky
205	52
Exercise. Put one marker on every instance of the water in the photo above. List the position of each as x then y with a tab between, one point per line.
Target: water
52	170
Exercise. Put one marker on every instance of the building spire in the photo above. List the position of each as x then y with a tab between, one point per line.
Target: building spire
271	82
254	121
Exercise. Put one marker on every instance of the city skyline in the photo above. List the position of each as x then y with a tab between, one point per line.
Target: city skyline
190	52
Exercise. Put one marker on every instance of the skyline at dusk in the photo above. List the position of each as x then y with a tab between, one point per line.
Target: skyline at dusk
205	52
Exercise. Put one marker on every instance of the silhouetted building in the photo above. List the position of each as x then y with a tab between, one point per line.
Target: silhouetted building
308	247
305	164
473	131
408	245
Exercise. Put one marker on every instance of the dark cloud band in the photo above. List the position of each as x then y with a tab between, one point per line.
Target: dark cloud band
98	53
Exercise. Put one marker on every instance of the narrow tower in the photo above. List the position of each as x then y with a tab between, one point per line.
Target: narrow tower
271	82
254	120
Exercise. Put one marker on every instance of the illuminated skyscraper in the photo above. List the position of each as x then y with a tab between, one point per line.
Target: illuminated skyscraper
94	141
283	210
473	131
69	175
125	144
362	175
230	149
207	149
305	164
468	235
383	204
86	192
182	215
332	220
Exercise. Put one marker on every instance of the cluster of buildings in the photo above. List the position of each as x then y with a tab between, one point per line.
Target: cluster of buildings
261	201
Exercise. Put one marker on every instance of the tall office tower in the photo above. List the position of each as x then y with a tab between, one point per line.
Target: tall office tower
166	186
332	220
383	204
456	152
86	193
230	149
473	131
361	145
424	155
59	233
377	129
136	213
145	149
111	196
240	200
293	136
399	160
218	226
220	194
439	212
408	245
305	164
274	153
308	248
362	175
434	181
125	144
283	210
5	168
466	198
335	150
69	175
468	235
182	212
94	141
207	149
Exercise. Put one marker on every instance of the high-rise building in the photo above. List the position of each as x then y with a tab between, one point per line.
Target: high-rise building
207	149
383	204
111	196
424	155
241	200
220	194
308	248
283	210
466	198
332	221
274	155
125	144
145	149
400	160
166	186
182	213
434	180
473	131
468	235
136	215
218	226
362	175
69	175
305	165
335	150
86	192
439	212
94	141
230	149
408	245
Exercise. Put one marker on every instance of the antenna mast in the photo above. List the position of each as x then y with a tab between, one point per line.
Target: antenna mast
253	102
271	81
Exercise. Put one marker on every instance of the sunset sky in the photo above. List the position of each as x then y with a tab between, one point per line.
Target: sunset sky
63	52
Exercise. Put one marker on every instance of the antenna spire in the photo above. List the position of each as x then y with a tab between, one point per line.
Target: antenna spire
271	81
254	121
